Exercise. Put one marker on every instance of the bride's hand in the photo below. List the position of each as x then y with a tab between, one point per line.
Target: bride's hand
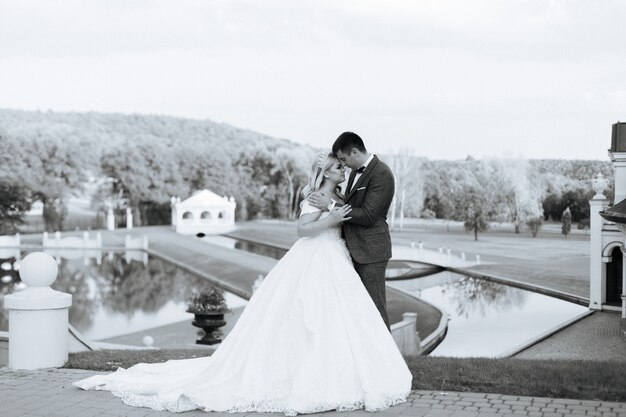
339	214
319	200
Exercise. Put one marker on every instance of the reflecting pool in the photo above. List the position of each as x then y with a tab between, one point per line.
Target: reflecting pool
117	294
252	247
487	318
395	269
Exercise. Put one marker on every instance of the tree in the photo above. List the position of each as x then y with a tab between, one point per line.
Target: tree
54	214
292	166
473	193
14	203
408	198
518	198
534	224
566	222
143	174
551	204
438	190
474	213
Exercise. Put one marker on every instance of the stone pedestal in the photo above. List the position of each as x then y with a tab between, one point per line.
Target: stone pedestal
38	317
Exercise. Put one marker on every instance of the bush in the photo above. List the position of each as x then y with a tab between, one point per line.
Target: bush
566	222
428	214
534	225
583	224
14	203
209	301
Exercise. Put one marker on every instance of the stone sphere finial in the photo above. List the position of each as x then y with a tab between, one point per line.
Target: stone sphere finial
39	269
599	184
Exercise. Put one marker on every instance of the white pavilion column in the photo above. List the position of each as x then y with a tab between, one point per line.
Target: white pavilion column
129	218
597	268
110	219
173	202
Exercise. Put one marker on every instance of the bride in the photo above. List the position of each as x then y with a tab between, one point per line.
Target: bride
309	340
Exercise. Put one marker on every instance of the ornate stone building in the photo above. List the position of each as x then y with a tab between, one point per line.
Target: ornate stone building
608	233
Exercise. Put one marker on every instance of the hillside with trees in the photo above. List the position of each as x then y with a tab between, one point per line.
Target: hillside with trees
141	161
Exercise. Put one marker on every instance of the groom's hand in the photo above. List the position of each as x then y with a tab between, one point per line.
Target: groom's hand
319	200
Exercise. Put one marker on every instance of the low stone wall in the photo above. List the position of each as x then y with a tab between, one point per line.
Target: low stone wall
405	336
4	348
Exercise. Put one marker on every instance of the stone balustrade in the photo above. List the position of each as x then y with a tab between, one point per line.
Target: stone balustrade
406	337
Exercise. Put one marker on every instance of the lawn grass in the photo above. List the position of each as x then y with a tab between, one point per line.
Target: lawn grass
110	360
583	380
577	379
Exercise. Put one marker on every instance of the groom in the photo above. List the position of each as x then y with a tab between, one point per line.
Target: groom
370	191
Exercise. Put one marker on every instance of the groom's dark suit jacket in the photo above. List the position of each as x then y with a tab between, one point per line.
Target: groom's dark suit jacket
367	233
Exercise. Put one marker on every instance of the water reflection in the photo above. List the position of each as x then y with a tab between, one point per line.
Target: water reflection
487	318
116	297
478	297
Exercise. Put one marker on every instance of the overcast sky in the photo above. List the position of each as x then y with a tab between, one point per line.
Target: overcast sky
542	78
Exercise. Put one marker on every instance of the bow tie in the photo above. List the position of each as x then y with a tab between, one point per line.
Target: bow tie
360	170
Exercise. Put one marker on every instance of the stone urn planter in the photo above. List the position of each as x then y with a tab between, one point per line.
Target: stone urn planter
208	308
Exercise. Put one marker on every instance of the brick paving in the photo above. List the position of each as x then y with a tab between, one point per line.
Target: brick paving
50	393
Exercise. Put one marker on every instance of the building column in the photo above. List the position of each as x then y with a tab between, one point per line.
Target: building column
597	269
623	295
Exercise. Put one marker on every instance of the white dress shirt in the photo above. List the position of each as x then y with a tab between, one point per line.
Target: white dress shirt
365	164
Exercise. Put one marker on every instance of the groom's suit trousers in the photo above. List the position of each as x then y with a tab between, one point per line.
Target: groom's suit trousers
367	233
371	277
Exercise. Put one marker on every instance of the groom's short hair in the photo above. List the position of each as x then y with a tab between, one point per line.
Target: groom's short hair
348	140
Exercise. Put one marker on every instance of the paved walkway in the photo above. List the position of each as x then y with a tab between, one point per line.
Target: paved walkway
50	393
596	337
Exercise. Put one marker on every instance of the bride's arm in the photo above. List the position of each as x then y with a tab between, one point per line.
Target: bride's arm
311	224
323	202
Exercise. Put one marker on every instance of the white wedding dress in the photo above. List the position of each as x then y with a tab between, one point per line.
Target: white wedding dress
309	340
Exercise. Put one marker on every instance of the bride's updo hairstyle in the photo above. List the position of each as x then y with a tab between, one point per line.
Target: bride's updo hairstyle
323	161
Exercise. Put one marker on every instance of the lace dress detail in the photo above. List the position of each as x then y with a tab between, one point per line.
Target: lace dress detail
332	233
309	340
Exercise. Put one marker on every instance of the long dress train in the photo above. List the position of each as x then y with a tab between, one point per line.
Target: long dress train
309	340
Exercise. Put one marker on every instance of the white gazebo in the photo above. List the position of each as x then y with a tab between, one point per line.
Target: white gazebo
204	212
608	234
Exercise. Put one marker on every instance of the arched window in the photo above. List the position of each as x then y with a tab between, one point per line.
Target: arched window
205	215
187	215
614	277
222	215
